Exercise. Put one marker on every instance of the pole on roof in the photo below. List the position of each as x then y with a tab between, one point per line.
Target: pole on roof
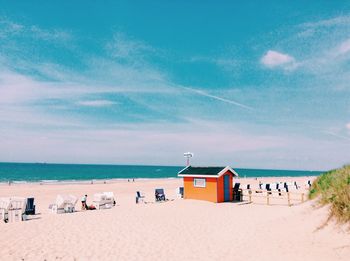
188	155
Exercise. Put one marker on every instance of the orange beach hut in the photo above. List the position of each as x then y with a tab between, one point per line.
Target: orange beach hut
208	183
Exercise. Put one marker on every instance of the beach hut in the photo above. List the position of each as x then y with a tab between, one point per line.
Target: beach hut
208	183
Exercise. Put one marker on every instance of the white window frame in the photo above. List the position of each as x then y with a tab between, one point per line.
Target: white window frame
199	182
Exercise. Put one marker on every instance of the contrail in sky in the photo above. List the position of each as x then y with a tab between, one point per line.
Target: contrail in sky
219	98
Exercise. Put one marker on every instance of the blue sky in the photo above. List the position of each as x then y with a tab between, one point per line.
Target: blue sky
246	84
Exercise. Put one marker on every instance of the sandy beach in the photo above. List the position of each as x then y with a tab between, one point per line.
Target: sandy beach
174	230
180	101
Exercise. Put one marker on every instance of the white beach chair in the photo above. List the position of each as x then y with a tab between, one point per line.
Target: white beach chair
291	186
180	192
274	186
110	196
282	186
2	214
17	209
103	200
255	188
273	189
99	200
4	206
64	204
12	209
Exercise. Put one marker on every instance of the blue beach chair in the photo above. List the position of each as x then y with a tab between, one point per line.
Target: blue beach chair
139	197
30	207
159	195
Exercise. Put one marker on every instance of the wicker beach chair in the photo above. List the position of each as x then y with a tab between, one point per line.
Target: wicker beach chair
4	206
64	204
110	196
30	207
12	209
103	200
237	192
159	195
139	197
180	192
17	209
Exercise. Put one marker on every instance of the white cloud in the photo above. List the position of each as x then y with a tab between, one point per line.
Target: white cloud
343	48
96	103
348	126
274	59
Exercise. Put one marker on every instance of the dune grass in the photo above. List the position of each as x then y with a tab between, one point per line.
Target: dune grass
333	188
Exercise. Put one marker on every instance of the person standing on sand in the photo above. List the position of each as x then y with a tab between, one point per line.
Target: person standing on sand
83	203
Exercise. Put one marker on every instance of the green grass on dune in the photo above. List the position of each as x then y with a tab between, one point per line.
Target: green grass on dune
333	188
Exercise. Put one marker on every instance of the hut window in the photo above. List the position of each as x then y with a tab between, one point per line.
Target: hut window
201	183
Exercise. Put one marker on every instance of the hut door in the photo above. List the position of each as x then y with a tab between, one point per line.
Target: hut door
227	188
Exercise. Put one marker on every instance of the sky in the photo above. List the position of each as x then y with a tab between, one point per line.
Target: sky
251	84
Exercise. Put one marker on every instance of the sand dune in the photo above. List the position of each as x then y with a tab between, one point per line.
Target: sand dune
174	230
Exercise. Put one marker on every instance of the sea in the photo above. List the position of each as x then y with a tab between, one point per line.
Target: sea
43	172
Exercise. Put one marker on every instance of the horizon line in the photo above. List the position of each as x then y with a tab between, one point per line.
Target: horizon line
153	165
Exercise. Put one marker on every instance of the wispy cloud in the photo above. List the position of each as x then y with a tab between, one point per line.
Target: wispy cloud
10	29
337	135
320	50
343	20
227	63
122	47
203	93
336	25
48	35
96	103
343	48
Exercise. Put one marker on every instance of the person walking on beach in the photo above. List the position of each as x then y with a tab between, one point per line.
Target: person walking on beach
83	203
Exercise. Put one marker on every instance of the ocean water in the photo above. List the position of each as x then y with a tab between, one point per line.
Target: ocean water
35	172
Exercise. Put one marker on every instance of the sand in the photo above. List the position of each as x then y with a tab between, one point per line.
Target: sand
175	230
